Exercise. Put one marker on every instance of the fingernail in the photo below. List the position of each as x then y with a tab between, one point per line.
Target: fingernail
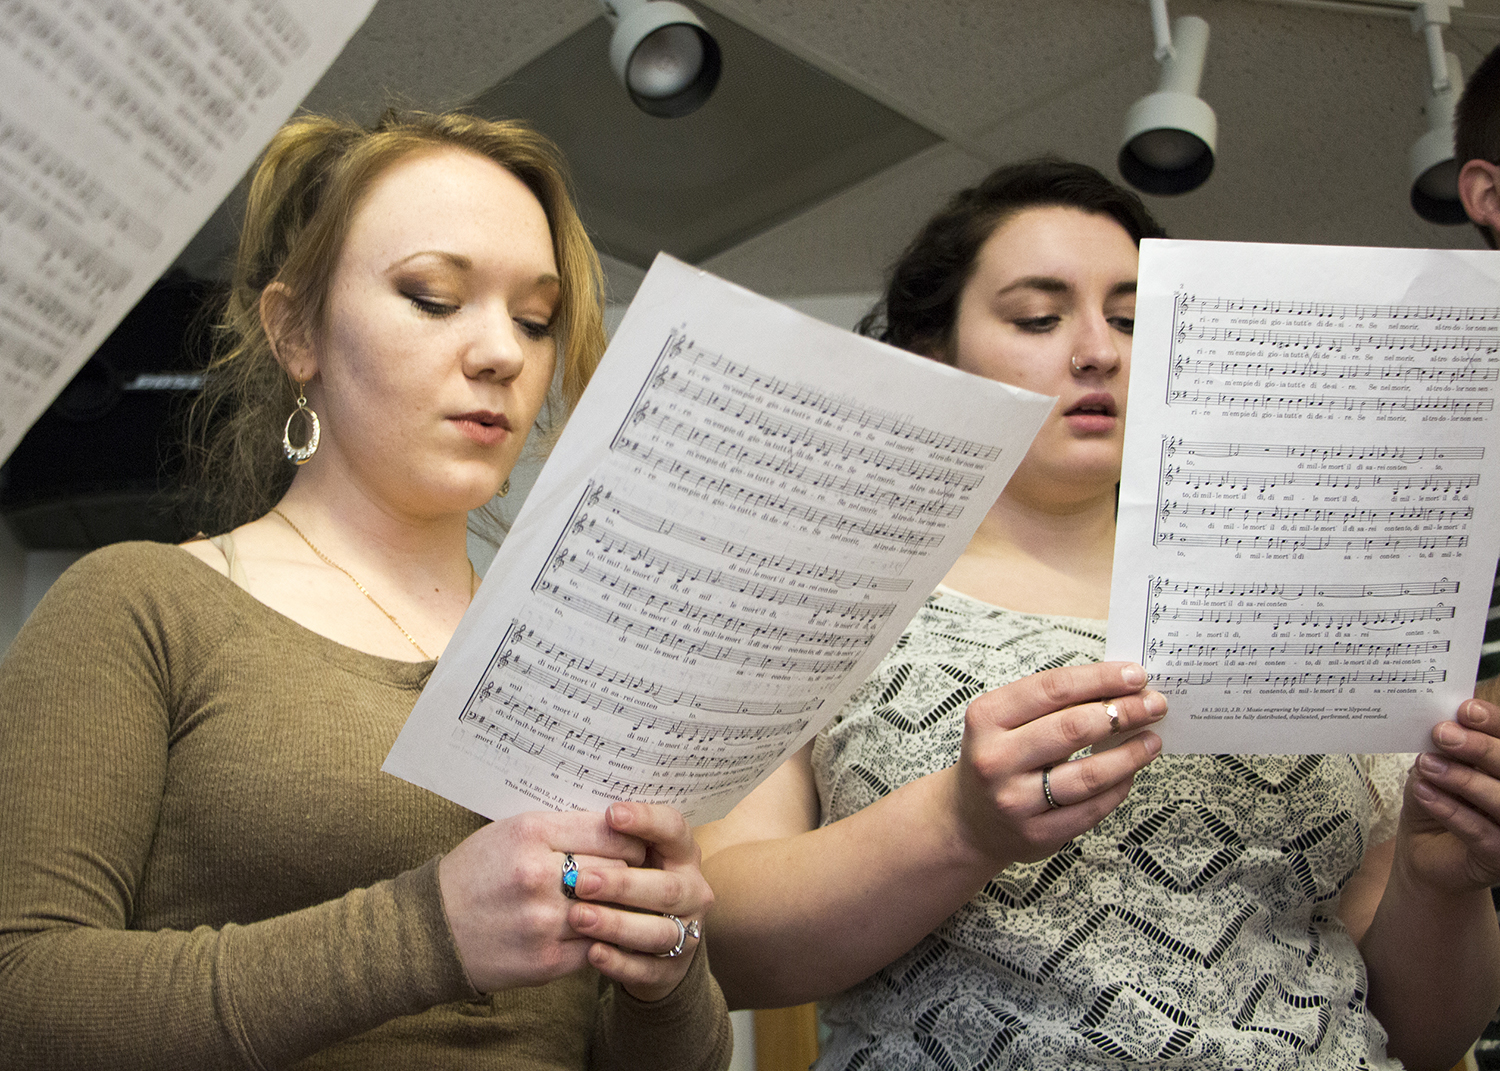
589	884
1431	764
1133	675
1156	704
1153	744
1424	792
1448	735
617	815
1471	714
584	916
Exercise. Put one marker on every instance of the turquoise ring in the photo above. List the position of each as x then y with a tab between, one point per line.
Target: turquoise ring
570	877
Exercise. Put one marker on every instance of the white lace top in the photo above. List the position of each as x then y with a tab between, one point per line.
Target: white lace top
1194	927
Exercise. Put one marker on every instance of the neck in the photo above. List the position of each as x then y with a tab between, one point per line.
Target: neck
1039	556
367	531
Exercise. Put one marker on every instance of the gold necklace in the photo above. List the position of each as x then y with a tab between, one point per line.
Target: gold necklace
473	585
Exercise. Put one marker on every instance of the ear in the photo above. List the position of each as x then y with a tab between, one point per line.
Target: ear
288	335
1479	189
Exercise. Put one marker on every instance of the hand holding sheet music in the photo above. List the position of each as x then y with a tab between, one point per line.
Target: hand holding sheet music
1308	523
743	514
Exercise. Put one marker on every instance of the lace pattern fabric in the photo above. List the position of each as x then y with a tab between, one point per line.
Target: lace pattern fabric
1195	927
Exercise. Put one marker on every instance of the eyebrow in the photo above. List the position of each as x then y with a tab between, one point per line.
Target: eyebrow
463	263
1050	284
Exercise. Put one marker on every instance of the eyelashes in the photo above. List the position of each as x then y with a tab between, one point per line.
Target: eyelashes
535	330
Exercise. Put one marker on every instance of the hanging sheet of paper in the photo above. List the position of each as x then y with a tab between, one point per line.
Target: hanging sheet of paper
743	514
1309	516
123	124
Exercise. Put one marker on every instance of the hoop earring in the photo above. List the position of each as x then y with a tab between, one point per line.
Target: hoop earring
300	455
505	487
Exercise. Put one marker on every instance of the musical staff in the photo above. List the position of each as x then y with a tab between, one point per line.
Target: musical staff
1189	366
1354	651
1337	341
650	689
1309	515
1382	618
704	618
710	482
687	729
1245	480
787	465
779	563
1328	309
614	783
725	654
1334	402
1314	543
825	404
1172	445
795	433
1299	680
1300	589
861	612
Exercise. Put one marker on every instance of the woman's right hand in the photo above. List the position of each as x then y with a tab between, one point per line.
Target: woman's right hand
1015	733
502	891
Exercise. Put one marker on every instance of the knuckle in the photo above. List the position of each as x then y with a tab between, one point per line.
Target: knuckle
533	873
1075	726
1054	686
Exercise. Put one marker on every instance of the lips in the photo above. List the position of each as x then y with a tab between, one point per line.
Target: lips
482	426
1095	412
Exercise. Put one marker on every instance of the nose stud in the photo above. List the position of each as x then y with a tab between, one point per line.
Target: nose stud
1077	371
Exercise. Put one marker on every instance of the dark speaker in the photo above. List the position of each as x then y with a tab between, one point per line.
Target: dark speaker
98	466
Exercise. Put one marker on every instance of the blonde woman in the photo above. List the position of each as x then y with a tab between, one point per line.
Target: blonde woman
203	864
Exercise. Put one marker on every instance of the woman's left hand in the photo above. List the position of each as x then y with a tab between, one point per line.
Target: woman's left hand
624	909
1450	841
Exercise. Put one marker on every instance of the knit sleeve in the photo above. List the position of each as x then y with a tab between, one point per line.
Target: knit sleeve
687	1030
85	730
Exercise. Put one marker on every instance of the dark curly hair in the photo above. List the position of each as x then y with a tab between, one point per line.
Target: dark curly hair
920	304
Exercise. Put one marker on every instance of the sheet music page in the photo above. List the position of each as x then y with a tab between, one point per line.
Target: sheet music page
743	514
123	124
1308	514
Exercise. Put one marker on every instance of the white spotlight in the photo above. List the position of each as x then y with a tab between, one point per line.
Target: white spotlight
1434	171
1171	135
663	55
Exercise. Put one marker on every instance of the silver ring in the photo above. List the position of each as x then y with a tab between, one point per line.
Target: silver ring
1114	718
1073	361
570	877
682	936
1047	787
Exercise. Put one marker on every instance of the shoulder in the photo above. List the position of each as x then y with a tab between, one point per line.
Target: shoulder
135	587
132	572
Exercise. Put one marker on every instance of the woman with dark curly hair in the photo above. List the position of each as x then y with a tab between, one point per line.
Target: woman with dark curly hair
968	880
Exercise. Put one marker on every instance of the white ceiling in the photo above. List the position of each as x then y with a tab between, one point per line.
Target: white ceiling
1317	108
